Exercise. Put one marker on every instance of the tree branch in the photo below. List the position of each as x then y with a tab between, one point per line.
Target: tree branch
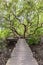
11	25
16	17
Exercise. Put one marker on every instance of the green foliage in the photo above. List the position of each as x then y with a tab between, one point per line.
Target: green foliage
35	38
22	17
4	34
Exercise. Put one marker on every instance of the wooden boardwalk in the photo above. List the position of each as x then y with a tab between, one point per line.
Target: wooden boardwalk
22	55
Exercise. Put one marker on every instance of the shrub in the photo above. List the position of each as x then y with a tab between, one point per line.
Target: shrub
34	39
3	35
2	45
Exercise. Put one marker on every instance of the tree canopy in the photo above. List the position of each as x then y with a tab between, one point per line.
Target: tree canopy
21	17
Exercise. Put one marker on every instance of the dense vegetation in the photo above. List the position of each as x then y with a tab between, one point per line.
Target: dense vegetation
21	18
